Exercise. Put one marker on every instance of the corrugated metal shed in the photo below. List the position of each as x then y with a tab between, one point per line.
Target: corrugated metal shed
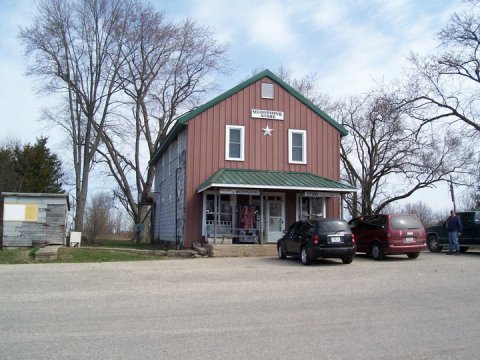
33	219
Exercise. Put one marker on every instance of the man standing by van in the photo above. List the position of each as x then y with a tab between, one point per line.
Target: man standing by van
454	227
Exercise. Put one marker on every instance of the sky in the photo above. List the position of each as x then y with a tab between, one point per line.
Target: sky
350	45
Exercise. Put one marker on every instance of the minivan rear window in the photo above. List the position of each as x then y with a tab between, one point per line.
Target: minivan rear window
333	226
406	222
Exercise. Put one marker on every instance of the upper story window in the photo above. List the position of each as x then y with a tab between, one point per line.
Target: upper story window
234	143
267	91
297	146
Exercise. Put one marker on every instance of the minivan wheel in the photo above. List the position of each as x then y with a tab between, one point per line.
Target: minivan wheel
377	251
281	252
413	255
433	244
304	257
347	260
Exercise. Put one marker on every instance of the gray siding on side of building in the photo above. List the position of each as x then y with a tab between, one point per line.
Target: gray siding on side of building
49	228
170	192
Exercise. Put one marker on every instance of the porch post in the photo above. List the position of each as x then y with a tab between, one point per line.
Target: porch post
341	206
261	217
215	216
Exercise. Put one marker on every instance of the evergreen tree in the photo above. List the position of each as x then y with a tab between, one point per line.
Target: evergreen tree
32	168
8	175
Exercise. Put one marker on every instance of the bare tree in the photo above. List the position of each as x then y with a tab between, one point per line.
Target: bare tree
126	75
445	86
166	69
388	157
76	48
424	212
470	199
121	222
99	217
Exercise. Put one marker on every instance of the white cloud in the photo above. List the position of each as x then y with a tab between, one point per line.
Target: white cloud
19	106
269	25
328	13
359	43
265	24
393	12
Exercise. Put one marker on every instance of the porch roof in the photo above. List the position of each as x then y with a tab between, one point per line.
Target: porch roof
272	180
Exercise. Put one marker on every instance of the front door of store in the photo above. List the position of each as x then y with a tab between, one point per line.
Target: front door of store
275	220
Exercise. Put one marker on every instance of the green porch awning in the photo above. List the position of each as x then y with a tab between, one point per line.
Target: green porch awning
272	180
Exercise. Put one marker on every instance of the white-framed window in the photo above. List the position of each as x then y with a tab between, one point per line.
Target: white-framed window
297	146
234	143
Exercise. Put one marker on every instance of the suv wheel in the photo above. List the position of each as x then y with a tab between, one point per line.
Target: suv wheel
281	252
433	244
347	260
377	251
304	257
413	255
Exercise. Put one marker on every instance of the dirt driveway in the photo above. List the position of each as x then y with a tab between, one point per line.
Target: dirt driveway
243	308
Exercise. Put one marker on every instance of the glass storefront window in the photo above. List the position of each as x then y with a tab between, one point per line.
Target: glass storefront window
232	215
225	210
219	222
311	208
210	209
316	207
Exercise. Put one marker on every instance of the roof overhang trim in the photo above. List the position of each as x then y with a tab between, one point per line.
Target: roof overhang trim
273	187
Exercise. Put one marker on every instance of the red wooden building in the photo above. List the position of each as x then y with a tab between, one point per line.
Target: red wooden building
245	165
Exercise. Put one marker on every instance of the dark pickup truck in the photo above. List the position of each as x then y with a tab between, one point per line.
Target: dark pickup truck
437	236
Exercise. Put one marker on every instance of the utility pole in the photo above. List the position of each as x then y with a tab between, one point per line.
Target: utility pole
452	193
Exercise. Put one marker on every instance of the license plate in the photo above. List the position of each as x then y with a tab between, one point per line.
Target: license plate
409	239
336	239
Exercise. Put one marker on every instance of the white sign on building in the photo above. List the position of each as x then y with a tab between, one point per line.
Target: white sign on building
318	194
267	114
239	191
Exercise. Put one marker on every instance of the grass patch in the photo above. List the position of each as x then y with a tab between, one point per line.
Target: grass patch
128	244
100	253
16	256
79	255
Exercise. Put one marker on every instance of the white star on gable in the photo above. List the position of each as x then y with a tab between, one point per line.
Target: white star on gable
267	131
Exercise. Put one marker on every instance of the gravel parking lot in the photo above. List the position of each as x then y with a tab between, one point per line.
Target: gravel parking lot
243	308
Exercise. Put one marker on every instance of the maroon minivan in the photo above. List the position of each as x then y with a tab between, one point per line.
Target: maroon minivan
389	234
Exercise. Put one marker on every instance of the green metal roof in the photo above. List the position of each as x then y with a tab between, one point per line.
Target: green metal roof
183	120
274	180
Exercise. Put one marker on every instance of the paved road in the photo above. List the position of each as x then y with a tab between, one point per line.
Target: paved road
243	308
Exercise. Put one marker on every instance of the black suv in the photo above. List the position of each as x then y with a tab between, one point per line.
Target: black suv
322	238
437	236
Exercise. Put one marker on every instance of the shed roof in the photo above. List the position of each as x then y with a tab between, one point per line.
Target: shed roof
37	195
268	179
22	194
184	119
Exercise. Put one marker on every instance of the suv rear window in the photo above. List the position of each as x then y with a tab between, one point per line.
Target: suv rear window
405	222
332	226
